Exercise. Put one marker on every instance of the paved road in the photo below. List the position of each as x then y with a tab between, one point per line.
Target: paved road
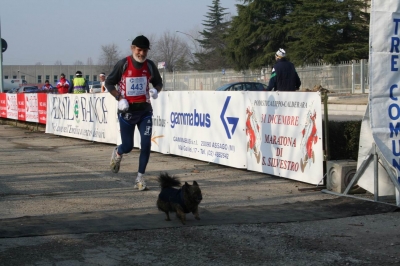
52	175
60	205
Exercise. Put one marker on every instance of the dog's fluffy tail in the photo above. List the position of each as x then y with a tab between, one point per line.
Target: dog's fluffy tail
166	180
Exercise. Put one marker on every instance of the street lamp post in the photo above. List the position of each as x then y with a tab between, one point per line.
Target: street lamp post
194	43
187	34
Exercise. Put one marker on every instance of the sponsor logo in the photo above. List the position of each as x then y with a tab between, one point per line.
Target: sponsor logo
80	109
193	119
76	110
228	120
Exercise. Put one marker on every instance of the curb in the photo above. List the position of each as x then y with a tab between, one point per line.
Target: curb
345	109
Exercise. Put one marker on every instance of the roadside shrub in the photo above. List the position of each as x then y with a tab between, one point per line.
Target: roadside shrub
343	139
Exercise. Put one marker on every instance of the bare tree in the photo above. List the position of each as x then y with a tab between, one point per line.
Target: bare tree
38	63
78	63
192	38
58	63
153	41
109	57
172	50
89	61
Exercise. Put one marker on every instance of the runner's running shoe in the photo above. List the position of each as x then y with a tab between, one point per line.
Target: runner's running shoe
115	161
140	183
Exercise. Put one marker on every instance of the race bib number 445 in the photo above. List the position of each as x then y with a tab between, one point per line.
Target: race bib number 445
136	86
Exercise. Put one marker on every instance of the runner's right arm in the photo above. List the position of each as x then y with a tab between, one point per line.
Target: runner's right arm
115	77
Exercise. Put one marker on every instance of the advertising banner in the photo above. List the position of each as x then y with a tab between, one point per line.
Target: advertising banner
12	106
384	69
208	126
21	107
284	135
42	107
3	105
85	116
31	107
277	133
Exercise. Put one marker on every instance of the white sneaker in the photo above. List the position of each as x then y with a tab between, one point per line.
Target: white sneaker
140	183
115	161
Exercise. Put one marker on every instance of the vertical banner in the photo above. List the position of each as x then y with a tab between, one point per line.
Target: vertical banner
12	106
21	107
31	107
42	107
3	105
84	116
208	126
384	72
284	135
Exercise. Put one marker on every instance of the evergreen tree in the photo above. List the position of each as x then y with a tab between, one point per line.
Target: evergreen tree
257	32
213	39
312	31
328	31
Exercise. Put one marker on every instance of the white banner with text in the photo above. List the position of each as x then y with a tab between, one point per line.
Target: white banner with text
384	70
284	135
278	133
85	116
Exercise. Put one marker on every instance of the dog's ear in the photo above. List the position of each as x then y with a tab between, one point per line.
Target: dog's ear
195	183
186	186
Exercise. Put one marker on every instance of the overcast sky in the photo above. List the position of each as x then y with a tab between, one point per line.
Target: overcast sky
46	31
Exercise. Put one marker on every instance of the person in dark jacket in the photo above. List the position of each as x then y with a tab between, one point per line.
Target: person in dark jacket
284	76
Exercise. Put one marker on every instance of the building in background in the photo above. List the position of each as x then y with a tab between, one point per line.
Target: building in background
37	74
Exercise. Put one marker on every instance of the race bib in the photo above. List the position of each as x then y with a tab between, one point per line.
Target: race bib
136	86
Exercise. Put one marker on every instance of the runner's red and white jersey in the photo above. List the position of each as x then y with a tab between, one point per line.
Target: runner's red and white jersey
134	84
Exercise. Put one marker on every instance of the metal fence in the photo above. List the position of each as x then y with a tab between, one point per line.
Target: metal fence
347	77
182	81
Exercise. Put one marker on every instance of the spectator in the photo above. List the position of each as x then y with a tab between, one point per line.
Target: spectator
284	76
102	82
47	87
63	84
133	75
79	84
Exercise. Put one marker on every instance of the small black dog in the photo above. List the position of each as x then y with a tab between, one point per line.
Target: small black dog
183	200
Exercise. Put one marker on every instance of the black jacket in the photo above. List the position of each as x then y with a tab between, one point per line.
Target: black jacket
115	76
284	77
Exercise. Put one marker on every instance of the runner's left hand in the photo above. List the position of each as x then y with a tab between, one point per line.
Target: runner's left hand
153	93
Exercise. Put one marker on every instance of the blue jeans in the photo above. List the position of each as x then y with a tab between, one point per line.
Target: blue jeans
143	121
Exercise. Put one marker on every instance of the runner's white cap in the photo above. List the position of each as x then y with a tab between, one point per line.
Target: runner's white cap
280	53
